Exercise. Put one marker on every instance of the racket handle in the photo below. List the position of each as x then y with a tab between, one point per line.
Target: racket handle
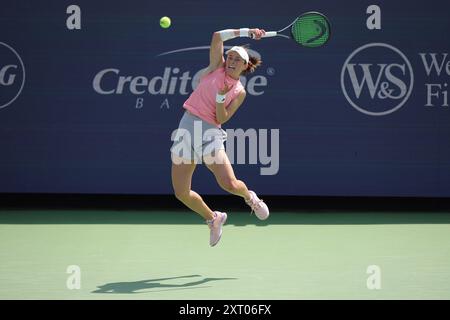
270	34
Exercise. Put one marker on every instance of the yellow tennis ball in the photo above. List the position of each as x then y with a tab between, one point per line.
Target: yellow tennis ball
165	22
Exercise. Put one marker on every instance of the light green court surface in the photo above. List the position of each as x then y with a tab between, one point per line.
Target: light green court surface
166	255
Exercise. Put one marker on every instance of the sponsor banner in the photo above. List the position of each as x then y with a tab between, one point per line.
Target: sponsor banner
91	94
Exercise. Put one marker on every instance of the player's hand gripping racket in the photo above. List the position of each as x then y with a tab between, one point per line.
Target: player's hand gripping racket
311	29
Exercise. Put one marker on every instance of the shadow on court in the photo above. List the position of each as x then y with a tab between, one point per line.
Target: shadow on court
151	284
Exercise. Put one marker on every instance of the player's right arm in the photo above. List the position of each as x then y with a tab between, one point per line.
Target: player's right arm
216	59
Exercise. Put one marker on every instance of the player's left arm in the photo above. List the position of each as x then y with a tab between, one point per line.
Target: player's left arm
224	114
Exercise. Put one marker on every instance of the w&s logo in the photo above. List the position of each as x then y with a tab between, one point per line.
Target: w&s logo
377	79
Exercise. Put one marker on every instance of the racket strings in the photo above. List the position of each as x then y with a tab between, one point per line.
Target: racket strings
311	30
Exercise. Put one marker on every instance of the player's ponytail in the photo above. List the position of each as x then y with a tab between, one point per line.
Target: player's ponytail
253	63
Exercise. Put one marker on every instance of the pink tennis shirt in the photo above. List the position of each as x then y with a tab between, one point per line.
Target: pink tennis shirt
202	102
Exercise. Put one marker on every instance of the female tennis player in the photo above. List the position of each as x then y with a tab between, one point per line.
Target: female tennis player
215	100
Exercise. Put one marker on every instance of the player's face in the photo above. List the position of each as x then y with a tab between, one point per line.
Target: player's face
235	64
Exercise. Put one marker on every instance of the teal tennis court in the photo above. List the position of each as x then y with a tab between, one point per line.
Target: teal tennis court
124	254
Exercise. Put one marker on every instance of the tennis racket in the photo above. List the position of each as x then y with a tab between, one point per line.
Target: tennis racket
311	29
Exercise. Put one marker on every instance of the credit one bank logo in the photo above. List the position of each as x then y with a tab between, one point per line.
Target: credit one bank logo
172	80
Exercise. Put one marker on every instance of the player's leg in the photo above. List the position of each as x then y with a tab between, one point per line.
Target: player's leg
181	182
220	166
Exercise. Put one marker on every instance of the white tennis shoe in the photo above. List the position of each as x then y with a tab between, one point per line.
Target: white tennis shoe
258	206
215	226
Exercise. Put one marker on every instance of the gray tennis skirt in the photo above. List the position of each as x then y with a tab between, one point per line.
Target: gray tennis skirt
196	138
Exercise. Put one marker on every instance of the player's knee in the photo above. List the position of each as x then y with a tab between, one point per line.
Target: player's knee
182	195
229	185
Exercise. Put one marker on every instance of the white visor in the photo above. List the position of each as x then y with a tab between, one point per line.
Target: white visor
241	52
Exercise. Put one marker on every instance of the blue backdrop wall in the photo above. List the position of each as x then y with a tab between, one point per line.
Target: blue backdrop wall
91	110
